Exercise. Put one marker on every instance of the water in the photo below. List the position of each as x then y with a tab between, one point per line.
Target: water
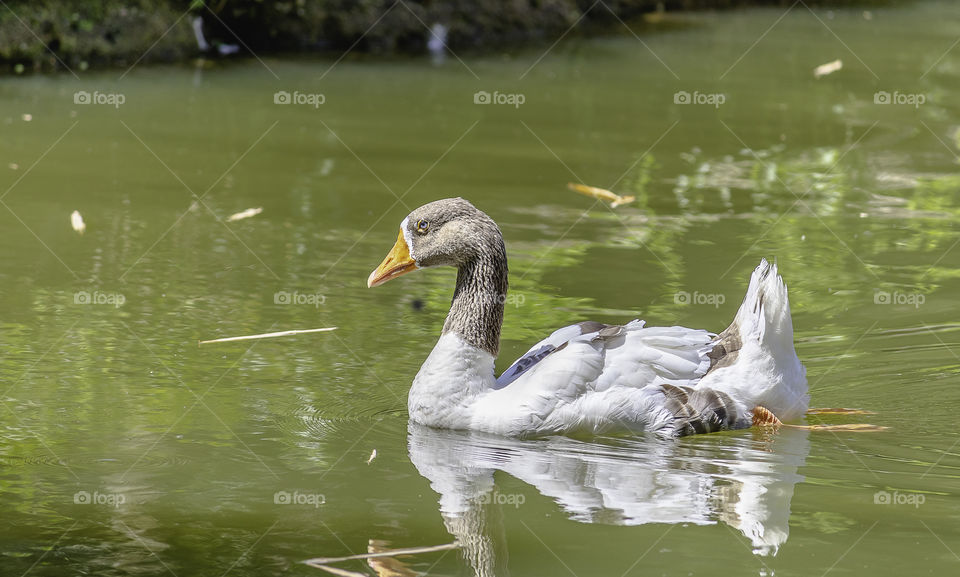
126	449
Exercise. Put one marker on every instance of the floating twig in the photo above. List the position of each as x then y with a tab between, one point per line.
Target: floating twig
269	335
244	214
839	411
853	427
391	553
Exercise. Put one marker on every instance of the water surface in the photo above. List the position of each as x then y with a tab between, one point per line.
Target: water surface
126	449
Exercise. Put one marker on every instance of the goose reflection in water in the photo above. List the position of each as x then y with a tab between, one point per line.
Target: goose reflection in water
745	481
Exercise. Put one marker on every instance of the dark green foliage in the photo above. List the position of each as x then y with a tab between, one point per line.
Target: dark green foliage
42	34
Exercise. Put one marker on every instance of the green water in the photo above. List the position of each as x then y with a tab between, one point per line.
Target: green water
185	451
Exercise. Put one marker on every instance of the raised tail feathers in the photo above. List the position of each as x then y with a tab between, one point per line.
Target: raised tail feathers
754	360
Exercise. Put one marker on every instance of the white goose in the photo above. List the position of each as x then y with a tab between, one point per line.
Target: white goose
587	378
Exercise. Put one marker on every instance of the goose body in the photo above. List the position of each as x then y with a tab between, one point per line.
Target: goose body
587	378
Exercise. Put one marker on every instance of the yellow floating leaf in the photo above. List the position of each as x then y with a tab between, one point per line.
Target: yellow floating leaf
613	198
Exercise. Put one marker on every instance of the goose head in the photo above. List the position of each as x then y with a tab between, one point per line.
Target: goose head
448	232
453	232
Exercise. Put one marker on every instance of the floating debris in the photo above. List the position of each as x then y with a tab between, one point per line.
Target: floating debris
340	572
373	456
828	68
250	212
387	566
13	166
763	418
852	427
613	198
27	117
318	562
269	335
839	411
326	167
76	221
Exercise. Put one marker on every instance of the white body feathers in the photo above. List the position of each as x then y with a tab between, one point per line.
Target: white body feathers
605	383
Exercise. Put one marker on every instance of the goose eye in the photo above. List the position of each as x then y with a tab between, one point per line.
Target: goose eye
423	226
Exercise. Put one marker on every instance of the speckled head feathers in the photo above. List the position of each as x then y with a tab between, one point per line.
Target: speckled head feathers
450	232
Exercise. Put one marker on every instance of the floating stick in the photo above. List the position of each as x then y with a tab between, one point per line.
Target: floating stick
269	335
391	553
839	411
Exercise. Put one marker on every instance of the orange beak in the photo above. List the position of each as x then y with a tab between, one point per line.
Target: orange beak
398	262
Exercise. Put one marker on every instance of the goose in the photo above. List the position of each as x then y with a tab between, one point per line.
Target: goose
588	378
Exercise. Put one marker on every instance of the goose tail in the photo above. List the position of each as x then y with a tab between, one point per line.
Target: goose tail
754	360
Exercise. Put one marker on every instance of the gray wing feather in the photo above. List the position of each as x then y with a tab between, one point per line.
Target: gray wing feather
553	343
